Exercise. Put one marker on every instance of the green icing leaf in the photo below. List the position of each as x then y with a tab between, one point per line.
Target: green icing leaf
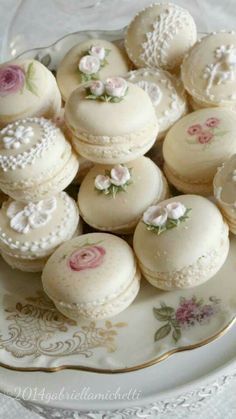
29	82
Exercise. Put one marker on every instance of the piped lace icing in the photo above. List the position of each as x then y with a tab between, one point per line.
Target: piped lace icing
165	28
17	134
152	90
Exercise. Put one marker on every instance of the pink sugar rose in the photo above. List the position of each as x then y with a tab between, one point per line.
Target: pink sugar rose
212	122
205	137
88	257
194	129
12	79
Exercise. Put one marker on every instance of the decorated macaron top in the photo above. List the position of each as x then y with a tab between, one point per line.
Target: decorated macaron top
165	91
160	35
225	184
201	141
29	147
176	236
92	268
114	180
34	228
159	218
94	59
18	77
209	70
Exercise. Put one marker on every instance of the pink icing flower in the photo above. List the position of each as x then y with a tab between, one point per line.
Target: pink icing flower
12	79
205	137
212	122
88	257
195	129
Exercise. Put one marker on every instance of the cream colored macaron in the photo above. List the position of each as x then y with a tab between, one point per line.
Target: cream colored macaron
181	243
166	93
112	122
29	233
27	88
209	70
196	146
36	161
113	198
89	60
160	35
225	191
94	276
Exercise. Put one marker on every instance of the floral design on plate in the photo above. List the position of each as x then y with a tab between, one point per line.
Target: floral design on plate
223	70
14	79
27	217
189	313
91	63
115	180
158	218
205	133
113	90
36	329
15	137
88	257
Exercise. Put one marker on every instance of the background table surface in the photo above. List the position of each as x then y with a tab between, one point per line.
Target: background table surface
214	15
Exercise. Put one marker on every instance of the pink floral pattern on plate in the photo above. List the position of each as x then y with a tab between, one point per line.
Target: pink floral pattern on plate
205	133
189	313
88	257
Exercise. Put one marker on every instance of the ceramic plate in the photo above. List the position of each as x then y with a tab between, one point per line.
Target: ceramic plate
34	336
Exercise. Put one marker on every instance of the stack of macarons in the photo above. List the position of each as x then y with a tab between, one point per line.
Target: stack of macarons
93	125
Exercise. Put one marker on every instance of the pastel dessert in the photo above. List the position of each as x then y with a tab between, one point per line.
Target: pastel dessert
30	233
209	70
111	122
186	242
113	198
89	60
27	89
93	276
160	35
225	191
166	93
36	161
84	166
196	146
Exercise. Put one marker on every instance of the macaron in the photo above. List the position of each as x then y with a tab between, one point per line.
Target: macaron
196	146
36	161
209	69
27	89
225	191
113	198
166	93
93	276
112	121
89	60
30	233
160	35
181	242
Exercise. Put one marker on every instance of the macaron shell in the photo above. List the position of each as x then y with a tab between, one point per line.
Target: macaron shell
68	76
106	212
201	57
95	267
195	157
183	245
41	99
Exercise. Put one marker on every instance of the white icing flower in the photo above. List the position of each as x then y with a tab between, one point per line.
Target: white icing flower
102	182
98	52
89	64
116	86
152	90
27	217
15	137
175	210
155	216
97	88
120	175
